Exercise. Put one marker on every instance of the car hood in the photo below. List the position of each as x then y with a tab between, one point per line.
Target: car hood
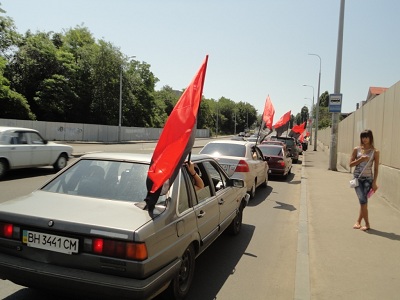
67	209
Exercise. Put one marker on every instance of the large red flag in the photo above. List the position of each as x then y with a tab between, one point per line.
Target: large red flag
283	120
299	128
269	112
177	138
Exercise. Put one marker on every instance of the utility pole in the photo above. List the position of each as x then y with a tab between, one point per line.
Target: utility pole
335	115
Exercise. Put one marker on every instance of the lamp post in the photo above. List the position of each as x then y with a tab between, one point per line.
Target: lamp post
317	108
313	106
120	101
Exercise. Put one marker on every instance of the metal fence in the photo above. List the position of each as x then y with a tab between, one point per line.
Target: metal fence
59	131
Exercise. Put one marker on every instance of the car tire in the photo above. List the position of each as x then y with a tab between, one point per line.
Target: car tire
60	163
3	168
236	225
265	183
253	190
182	281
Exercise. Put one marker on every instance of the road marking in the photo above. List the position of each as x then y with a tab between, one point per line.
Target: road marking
302	278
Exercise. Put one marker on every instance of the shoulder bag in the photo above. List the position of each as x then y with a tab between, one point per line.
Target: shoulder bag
354	182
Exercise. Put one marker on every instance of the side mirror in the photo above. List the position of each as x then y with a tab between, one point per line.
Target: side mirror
239	183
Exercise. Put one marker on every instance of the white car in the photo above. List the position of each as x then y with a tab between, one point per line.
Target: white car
240	159
26	148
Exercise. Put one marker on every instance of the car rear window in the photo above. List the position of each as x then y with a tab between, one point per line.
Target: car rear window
271	150
288	142
117	180
224	149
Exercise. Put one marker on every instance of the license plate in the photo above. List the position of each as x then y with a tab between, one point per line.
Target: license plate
50	242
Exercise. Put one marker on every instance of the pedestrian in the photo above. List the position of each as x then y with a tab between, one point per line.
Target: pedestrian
363	158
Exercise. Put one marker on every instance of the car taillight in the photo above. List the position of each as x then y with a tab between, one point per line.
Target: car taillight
118	249
281	162
9	231
242	166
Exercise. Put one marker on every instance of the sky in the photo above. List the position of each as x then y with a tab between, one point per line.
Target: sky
256	48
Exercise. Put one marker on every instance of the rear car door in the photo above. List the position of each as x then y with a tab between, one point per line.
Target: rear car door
20	151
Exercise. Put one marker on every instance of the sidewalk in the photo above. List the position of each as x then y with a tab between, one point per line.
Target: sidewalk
347	263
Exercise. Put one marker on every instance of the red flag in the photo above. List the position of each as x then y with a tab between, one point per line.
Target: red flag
282	124
299	128
269	112
177	138
301	139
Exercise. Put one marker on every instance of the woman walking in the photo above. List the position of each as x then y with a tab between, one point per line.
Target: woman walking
363	158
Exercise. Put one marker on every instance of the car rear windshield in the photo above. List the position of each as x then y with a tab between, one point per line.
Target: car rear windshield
224	149
277	151
103	179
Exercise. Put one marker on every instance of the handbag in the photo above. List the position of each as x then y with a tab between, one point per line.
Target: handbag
354	182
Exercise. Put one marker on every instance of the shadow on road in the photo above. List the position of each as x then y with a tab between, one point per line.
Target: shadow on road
28	173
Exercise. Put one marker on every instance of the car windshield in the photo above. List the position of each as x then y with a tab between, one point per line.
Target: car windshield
224	149
103	179
271	150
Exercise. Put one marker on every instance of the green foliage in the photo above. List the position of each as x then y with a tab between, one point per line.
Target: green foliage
70	76
13	105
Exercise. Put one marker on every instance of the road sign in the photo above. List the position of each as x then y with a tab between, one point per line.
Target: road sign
335	103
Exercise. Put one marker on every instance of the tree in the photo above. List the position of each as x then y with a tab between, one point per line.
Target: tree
13	105
9	37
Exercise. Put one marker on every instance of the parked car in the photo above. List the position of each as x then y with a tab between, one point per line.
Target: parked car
88	231
26	148
290	146
299	146
270	142
305	145
252	138
278	158
241	160
241	133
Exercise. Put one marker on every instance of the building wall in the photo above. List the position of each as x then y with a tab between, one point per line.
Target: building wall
381	115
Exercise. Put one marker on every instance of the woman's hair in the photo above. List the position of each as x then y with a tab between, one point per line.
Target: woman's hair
367	133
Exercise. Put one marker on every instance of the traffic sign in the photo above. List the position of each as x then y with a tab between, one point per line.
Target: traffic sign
335	103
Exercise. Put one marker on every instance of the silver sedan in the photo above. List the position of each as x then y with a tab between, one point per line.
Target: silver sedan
87	231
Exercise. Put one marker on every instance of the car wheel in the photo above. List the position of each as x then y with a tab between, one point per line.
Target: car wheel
3	168
180	285
60	163
253	190
236	225
265	183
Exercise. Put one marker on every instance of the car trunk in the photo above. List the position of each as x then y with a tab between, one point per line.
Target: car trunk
229	164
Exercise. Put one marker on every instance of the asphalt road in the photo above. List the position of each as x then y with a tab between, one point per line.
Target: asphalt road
259	263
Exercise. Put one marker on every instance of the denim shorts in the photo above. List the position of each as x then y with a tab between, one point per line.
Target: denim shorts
364	185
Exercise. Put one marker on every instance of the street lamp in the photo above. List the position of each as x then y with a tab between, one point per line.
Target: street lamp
120	100
313	106
317	108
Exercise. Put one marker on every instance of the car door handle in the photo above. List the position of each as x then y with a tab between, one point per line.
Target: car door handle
201	214
221	201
